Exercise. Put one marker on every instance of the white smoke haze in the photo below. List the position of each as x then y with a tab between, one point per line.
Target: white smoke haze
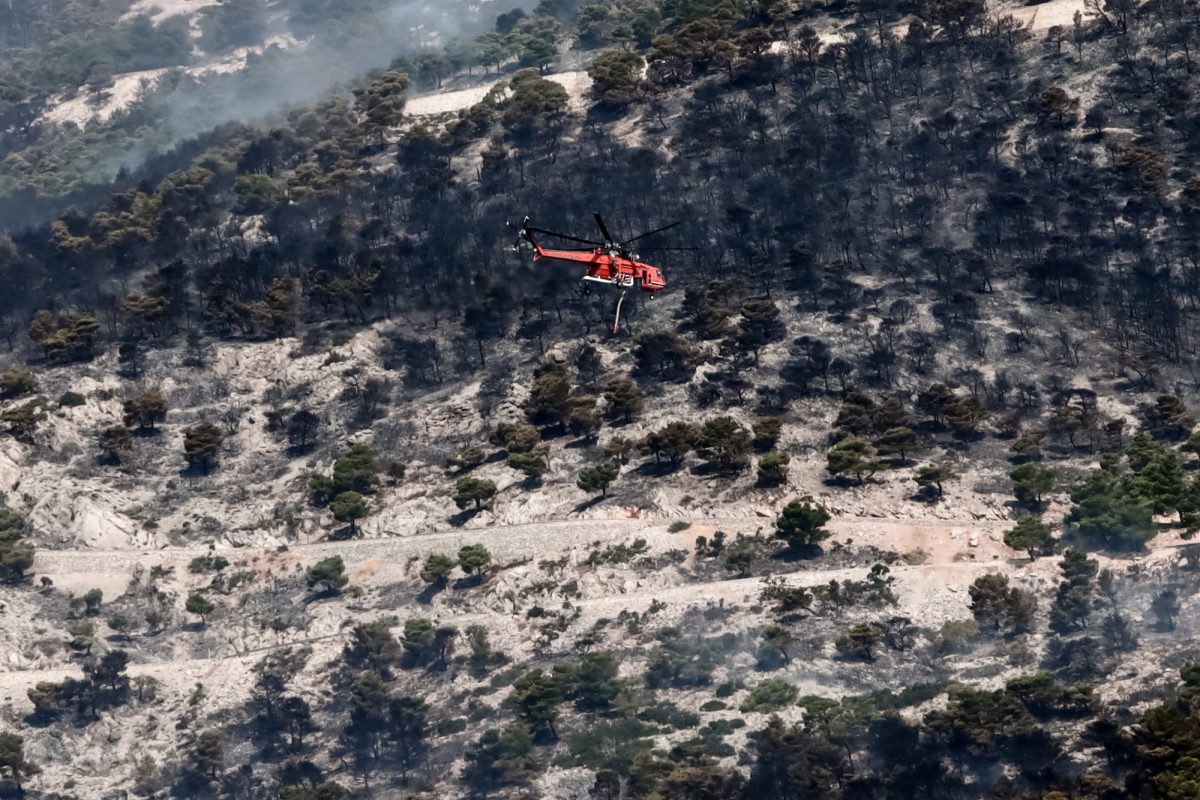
188	103
160	130
286	77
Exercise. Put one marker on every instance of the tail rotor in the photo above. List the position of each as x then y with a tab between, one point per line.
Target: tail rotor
523	235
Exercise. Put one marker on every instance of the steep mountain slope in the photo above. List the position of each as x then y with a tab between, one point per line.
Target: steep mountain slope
312	488
89	94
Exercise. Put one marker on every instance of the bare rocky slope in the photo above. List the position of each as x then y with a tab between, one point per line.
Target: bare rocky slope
134	532
338	523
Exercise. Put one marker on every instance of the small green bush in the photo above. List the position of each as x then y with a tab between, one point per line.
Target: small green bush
670	715
770	695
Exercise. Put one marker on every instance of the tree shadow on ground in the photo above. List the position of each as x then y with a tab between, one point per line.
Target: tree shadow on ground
926	494
651	469
795	554
463	517
715	470
192	471
469	582
342	534
844	482
587	504
431	591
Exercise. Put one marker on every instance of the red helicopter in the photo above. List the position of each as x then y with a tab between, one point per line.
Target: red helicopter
608	262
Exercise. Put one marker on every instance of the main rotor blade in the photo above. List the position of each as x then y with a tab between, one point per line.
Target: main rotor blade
651	233
545	232
604	229
664	249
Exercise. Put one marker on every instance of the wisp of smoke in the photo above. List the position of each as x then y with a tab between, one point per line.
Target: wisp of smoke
281	78
169	125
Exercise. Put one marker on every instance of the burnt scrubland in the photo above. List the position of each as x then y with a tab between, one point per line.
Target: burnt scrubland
313	488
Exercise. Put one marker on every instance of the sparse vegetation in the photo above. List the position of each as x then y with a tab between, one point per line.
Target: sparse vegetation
327	576
473	491
944	279
199	605
437	569
16	554
349	507
597	478
201	443
474	559
802	523
1031	535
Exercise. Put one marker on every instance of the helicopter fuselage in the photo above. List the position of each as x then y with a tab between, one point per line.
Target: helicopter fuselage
609	268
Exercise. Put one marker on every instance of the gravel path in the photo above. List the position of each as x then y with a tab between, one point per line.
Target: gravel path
576	83
931	594
1046	15
506	543
955	553
931	591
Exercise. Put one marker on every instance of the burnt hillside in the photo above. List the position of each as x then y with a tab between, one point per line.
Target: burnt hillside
314	488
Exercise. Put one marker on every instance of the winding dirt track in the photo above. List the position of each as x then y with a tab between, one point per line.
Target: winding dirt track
932	592
728	591
505	542
929	587
530	540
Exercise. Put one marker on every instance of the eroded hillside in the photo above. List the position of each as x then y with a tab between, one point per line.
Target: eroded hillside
313	488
